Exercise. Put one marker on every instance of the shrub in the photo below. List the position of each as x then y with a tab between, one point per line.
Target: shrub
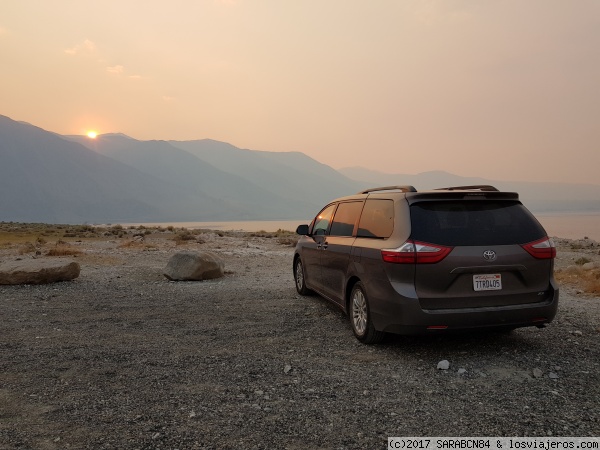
183	236
63	249
27	247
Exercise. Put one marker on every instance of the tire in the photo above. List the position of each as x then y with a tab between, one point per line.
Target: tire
299	278
360	317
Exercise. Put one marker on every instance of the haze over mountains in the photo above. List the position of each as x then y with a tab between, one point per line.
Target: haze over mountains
46	177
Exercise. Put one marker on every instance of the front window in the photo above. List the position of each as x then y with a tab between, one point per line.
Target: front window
321	222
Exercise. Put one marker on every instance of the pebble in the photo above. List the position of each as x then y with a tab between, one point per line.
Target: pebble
537	373
443	365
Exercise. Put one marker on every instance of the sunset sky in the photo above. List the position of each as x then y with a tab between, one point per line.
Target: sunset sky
499	89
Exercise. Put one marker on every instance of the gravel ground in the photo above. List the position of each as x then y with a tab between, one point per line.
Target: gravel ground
122	358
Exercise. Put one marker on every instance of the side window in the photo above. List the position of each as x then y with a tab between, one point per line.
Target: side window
321	222
377	220
345	218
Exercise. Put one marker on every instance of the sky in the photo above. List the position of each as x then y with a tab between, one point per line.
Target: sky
505	90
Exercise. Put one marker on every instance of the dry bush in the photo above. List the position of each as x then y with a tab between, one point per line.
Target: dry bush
183	237
288	240
586	280
27	247
63	249
131	244
591	282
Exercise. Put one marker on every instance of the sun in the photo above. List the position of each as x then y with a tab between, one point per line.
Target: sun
92	134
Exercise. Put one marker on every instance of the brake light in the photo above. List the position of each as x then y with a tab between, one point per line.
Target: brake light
541	249
415	252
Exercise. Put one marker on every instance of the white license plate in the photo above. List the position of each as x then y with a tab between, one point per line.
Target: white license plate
487	282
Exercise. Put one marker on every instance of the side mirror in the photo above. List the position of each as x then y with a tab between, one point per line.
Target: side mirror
302	230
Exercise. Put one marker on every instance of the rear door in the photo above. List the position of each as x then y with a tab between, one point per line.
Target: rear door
488	264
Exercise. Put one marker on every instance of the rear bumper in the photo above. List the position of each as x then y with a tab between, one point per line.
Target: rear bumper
402	315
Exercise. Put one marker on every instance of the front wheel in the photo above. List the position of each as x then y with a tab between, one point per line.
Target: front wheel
360	317
299	278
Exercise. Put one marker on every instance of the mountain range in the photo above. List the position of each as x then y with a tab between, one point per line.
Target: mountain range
47	177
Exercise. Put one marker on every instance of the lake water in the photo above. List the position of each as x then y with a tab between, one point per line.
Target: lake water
571	226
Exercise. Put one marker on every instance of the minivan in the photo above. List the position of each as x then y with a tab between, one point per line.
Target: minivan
403	261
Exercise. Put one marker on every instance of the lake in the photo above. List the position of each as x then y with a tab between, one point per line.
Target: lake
571	226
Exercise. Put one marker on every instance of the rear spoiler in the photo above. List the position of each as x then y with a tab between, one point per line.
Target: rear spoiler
438	195
475	187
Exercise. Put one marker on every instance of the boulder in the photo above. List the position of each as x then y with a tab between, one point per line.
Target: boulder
194	266
38	271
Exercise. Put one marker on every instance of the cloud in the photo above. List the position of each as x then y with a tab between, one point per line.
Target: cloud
167	98
135	77
86	46
115	69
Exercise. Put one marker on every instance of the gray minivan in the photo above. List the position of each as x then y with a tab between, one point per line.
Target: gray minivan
407	262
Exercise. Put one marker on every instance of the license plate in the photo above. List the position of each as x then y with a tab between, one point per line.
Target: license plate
487	282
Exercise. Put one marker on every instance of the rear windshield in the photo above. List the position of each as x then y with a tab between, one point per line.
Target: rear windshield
474	223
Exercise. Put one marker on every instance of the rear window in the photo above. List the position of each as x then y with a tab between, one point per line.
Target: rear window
377	219
474	223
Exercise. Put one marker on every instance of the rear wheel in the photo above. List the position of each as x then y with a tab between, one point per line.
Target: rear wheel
299	278
360	317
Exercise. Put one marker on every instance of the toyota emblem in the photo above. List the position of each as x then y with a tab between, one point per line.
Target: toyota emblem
489	255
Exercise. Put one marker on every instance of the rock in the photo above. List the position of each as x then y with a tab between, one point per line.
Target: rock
577	333
287	368
462	371
589	266
537	373
38	271
194	266
443	365
553	375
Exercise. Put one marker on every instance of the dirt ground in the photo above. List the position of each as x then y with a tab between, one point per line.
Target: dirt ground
123	358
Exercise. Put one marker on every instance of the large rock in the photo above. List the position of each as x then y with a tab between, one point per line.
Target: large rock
194	266
38	271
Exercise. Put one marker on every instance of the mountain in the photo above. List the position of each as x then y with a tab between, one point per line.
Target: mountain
537	196
293	175
46	177
244	200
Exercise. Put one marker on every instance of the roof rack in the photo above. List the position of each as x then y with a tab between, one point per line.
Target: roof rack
476	187
405	188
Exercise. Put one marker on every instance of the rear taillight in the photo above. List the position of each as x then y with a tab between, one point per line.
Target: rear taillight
541	249
415	252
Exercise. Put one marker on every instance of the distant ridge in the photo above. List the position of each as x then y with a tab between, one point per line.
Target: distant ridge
537	196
